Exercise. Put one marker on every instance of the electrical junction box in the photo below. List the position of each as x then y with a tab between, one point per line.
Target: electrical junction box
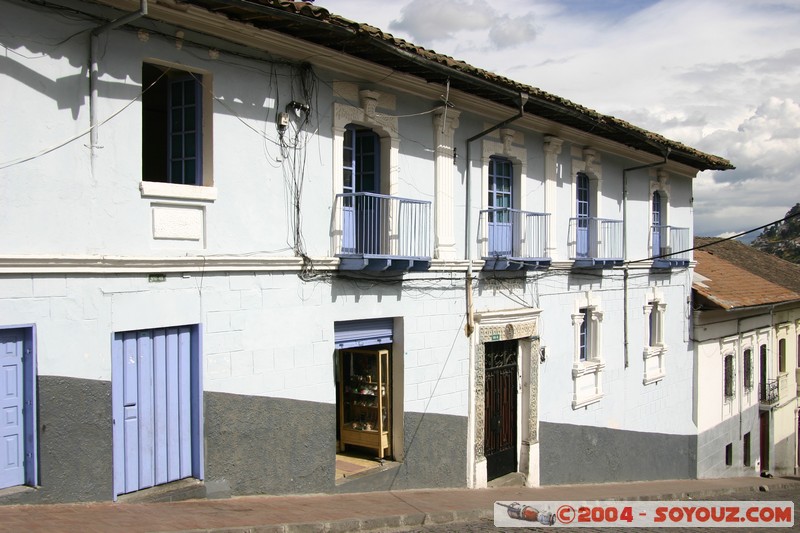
283	120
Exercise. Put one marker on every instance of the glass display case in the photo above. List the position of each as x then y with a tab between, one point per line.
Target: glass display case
365	400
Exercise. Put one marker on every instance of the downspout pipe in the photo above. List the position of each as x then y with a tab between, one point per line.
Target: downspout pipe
523	98
625	244
94	71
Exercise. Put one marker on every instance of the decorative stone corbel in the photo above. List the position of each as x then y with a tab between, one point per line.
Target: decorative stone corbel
507	138
369	102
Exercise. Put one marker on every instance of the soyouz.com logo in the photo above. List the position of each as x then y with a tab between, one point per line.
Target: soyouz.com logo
644	514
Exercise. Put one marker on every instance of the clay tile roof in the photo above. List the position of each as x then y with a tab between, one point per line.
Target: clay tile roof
311	23
731	287
767	266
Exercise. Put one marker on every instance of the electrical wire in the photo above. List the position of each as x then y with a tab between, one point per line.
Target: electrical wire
723	239
46	151
421	113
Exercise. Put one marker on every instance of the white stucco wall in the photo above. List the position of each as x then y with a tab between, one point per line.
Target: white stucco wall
265	332
262	334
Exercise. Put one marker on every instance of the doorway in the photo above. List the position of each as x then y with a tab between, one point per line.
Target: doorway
366	394
764	441
500	434
17	403
155	389
361	185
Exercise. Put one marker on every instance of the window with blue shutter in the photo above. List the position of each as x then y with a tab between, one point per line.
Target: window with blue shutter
172	126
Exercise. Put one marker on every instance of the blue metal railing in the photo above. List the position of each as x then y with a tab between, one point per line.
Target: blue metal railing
369	224
595	238
666	240
506	232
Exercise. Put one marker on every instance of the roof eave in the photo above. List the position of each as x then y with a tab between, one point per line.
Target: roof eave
372	44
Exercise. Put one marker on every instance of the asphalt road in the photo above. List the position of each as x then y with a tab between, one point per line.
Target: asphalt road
486	526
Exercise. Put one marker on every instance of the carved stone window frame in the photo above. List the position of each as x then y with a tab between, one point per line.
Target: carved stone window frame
655	351
591	368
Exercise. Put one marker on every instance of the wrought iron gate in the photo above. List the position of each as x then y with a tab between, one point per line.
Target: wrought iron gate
500	434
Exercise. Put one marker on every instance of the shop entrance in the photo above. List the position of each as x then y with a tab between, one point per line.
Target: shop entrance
500	435
364	396
365	404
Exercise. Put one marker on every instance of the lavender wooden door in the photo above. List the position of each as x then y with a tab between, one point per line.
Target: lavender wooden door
12	429
155	395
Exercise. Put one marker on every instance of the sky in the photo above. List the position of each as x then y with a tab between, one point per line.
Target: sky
722	76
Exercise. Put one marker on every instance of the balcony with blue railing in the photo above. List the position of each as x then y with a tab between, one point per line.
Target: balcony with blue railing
377	232
595	242
510	239
669	246
768	393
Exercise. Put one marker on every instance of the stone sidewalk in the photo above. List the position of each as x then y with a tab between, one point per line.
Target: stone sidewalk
346	512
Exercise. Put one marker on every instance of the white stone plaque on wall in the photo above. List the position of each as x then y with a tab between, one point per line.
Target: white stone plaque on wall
178	222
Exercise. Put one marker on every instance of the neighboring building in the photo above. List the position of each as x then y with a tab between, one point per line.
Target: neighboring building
747	334
241	238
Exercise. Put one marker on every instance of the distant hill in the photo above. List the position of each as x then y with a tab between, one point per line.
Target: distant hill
782	240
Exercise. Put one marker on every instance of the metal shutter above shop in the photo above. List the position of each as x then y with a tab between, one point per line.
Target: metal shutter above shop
355	333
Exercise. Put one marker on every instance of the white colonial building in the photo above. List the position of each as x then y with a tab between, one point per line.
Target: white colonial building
746	332
248	245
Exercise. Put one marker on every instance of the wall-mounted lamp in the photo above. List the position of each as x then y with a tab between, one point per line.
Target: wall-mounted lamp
535	338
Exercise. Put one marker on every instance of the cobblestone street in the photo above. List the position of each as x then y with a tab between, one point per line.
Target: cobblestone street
487	525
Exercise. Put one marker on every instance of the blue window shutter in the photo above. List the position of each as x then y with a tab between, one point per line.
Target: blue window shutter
355	333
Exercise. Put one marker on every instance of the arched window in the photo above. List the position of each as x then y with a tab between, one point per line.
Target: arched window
582	210
360	183
500	202
657	226
748	369
729	381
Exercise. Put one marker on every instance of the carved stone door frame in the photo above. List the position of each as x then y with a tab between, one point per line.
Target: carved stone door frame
521	325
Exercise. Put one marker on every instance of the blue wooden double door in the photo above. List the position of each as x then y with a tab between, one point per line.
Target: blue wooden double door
156	397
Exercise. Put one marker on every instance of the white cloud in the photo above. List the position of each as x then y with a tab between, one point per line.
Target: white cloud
506	32
765	148
431	22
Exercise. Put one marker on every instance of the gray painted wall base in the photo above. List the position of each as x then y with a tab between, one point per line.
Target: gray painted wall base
75	443
435	457
253	445
711	446
257	445
784	456
263	445
570	454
